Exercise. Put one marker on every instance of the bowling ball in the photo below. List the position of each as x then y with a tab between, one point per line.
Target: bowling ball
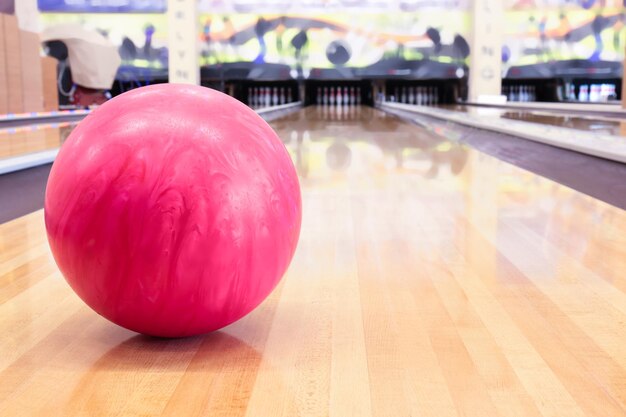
173	210
338	52
506	53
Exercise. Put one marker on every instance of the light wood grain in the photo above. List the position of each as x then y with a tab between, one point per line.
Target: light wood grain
430	280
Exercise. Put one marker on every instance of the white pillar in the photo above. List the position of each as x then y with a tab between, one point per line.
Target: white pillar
182	19
27	15
485	77
624	84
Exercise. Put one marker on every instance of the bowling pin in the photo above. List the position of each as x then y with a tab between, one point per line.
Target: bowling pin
331	97
339	96
352	96
411	95
325	97
583	94
268	97
593	94
358	95
403	96
612	93
346	96
318	97
275	96
282	95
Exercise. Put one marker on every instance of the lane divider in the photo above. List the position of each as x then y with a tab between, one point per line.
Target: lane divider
601	145
34	116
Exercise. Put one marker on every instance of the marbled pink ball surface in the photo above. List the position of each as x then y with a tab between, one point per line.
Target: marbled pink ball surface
173	210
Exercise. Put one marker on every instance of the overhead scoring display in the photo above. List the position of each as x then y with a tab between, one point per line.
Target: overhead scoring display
246	6
103	6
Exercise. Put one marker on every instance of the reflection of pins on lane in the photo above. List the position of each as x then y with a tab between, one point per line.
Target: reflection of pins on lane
318	97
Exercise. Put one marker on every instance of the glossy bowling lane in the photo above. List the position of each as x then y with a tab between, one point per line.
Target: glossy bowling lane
592	123
26	139
430	280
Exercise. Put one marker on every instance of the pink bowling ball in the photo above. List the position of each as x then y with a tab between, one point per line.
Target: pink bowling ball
173	210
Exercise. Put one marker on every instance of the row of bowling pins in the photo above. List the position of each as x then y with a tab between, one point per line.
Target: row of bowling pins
422	96
594	92
341	96
268	96
523	93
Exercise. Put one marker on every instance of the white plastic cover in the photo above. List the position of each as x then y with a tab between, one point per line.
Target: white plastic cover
93	59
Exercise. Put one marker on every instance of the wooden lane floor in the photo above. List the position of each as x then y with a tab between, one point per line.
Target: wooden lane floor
430	280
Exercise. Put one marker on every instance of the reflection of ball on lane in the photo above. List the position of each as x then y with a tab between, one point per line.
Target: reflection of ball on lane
173	210
338	156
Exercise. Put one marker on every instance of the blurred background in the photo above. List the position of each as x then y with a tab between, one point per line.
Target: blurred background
550	50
